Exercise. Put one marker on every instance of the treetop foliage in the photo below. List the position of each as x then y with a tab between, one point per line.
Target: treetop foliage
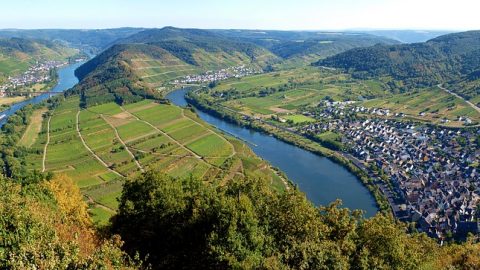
190	224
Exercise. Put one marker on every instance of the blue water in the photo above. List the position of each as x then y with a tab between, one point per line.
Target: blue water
322	180
66	80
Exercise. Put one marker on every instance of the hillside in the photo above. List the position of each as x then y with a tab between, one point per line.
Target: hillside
210	219
153	58
17	54
298	47
446	58
95	39
408	36
468	87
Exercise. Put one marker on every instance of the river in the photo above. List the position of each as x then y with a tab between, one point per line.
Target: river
66	80
322	180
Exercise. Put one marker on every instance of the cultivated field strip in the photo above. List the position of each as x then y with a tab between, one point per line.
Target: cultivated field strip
100	146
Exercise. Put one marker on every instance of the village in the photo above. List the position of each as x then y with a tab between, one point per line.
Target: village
429	173
38	73
218	75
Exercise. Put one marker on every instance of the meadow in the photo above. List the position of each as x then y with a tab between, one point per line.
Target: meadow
33	129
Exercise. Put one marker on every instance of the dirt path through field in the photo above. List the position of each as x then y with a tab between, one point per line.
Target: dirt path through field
46	144
123	143
165	134
91	151
460	97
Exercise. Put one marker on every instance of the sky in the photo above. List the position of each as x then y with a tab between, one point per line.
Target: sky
244	14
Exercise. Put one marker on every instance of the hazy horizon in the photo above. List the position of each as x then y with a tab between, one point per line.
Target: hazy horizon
253	29
303	15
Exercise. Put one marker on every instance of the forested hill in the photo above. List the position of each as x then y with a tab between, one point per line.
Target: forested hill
409	36
17	54
442	59
191	45
152	58
306	46
96	39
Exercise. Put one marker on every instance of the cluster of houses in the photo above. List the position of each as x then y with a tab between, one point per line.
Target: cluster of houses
218	75
433	171
38	73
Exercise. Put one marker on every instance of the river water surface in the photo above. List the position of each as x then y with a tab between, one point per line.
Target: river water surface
66	80
322	180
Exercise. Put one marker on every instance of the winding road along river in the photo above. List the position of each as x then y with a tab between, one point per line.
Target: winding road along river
320	178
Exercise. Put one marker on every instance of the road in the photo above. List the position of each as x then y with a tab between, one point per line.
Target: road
91	151
460	97
123	143
46	144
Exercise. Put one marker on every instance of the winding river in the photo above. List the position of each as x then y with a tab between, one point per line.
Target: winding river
322	180
66	80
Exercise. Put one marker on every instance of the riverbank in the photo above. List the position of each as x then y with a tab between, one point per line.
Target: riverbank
320	178
65	80
292	138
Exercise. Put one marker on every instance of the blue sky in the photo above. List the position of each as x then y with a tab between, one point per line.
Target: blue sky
245	14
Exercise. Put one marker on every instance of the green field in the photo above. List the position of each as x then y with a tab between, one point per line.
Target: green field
294	89
33	129
435	103
160	137
285	94
299	118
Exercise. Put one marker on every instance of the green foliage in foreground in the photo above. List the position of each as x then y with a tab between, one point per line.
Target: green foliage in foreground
46	226
189	224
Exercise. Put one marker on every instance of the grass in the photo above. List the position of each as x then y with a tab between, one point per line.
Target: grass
299	118
329	136
134	129
100	215
33	129
11	100
109	109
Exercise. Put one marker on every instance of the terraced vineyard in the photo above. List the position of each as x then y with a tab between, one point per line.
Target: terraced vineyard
100	146
157	72
285	94
433	104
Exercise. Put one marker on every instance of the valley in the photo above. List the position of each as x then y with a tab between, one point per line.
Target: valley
248	149
101	146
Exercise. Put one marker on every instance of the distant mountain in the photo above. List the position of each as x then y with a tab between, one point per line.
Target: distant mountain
97	39
408	36
17	54
190	44
447	58
308	46
151	58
